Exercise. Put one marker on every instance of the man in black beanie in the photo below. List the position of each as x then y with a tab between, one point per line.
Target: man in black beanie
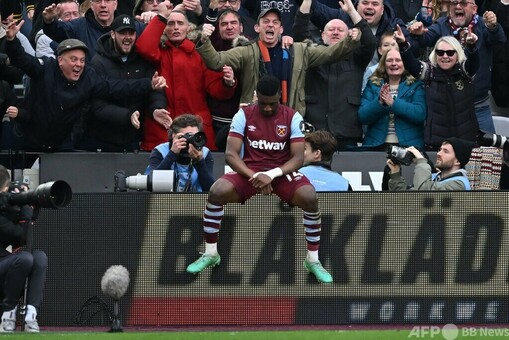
452	157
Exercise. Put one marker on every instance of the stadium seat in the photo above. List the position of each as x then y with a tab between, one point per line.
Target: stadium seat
501	125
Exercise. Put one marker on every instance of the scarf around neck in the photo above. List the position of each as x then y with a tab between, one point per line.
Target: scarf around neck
286	69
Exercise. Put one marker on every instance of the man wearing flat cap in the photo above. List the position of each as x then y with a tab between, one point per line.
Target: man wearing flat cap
453	155
114	125
60	90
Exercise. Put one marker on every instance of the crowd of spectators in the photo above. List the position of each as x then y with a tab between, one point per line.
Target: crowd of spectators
431	77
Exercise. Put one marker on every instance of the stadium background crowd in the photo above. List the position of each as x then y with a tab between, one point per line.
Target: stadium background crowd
334	98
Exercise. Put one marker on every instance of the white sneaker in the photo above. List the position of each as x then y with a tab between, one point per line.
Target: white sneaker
8	321
32	326
8	326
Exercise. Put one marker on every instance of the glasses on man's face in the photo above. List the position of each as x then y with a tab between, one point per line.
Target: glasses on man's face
101	1
151	2
231	2
449	53
462	3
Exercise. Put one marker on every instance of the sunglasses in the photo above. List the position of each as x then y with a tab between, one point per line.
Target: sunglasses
462	3
449	53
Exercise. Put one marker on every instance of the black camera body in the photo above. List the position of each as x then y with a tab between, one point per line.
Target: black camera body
16	185
198	139
53	195
400	155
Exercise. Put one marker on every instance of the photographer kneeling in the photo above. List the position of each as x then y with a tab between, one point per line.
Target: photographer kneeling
20	265
186	155
453	155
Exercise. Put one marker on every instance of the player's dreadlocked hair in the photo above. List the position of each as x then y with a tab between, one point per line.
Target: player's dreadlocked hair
268	85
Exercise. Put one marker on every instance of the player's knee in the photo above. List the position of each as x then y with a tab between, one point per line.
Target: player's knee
305	198
220	192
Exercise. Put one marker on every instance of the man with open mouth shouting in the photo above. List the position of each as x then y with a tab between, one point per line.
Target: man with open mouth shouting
60	91
267	55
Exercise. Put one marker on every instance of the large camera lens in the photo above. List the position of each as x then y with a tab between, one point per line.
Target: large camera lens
54	195
490	139
198	140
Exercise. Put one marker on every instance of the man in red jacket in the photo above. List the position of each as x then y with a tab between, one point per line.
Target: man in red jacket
164	42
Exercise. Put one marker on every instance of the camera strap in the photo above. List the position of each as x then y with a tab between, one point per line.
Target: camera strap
438	178
187	187
180	175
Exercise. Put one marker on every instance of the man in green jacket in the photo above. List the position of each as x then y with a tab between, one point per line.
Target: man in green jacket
452	157
267	56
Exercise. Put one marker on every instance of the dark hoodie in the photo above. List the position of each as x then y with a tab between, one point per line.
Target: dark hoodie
109	121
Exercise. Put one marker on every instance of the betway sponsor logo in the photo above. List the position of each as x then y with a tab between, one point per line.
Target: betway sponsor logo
266	145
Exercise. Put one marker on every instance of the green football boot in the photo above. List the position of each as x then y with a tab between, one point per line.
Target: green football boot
203	262
318	271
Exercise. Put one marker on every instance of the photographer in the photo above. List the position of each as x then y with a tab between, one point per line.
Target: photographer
186	155
452	157
20	265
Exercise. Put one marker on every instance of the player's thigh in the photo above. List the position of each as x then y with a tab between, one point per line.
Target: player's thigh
231	188
296	189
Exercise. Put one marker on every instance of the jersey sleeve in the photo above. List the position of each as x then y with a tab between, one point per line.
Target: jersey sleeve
238	125
296	132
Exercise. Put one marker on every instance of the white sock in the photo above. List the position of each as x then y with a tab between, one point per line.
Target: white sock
31	313
312	256
9	315
210	248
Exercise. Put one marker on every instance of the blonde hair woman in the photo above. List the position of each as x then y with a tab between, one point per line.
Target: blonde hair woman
448	77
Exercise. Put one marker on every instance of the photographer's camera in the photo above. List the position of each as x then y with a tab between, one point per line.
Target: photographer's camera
156	181
198	140
400	155
53	195
494	140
